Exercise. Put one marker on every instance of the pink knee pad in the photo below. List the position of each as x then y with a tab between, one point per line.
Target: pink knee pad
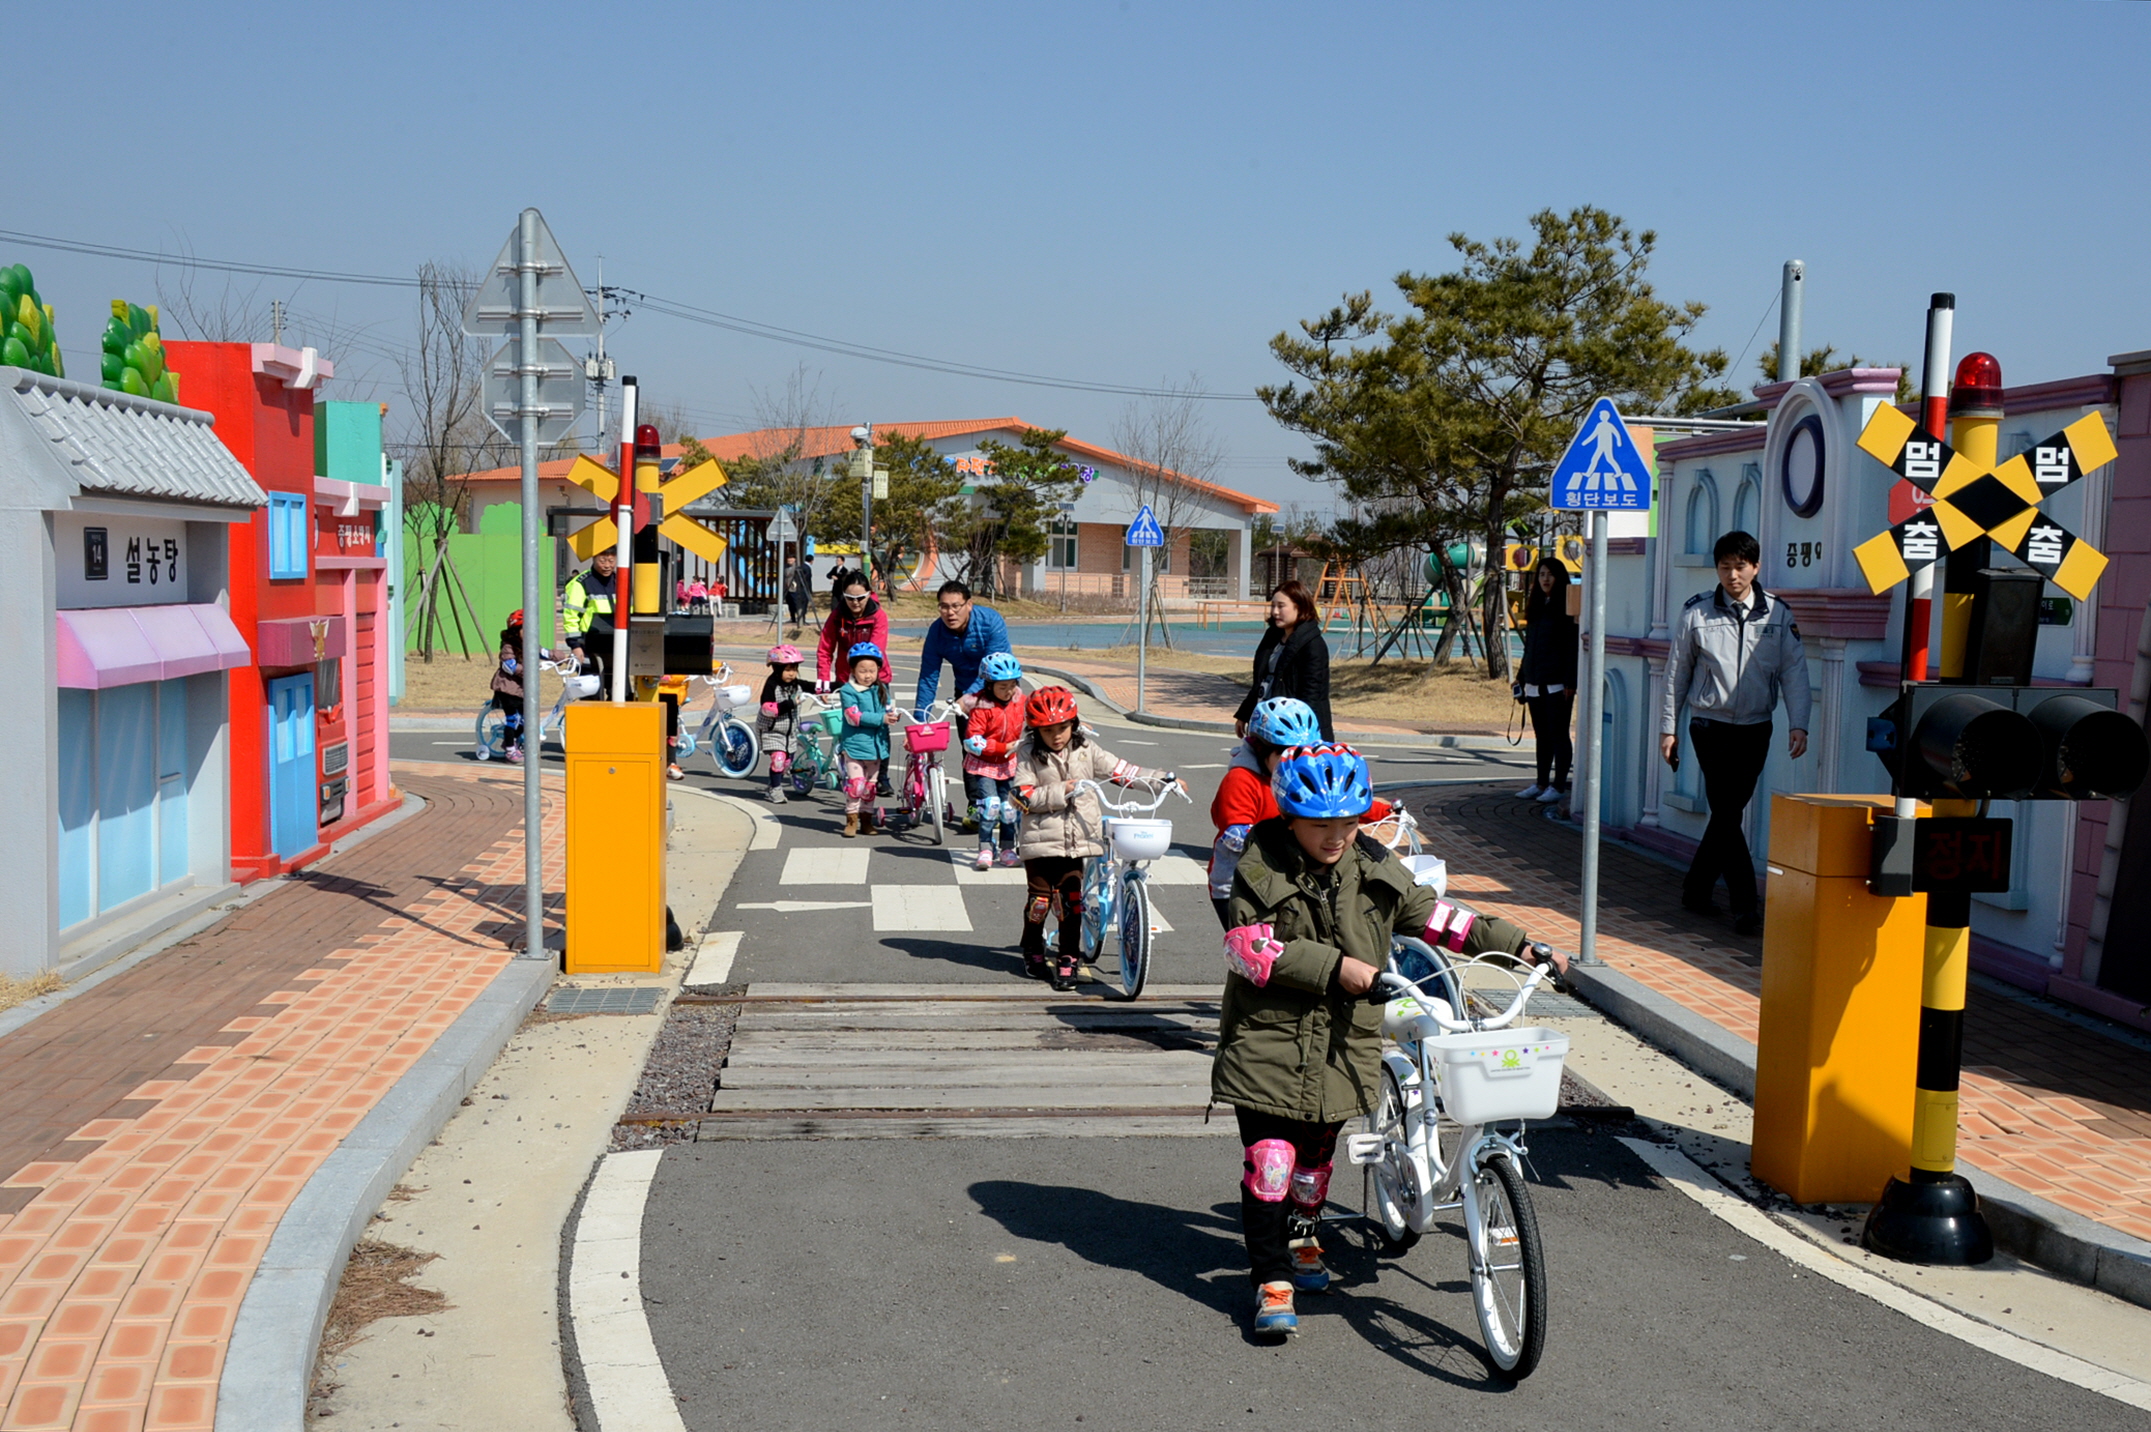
1310	1186
1071	904
1269	1170
779	762
858	787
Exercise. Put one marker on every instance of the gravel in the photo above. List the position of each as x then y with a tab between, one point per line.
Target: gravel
679	1079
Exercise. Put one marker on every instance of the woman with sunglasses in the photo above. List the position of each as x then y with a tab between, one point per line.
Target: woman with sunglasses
856	619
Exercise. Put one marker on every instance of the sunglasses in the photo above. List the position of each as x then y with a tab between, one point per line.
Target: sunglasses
855	596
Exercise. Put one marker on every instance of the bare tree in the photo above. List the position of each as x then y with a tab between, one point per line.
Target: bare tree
777	469
445	439
1170	448
187	309
670	420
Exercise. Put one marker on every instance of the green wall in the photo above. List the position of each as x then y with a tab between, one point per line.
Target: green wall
490	563
347	441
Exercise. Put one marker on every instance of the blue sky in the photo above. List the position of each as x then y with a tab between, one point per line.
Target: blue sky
1114	192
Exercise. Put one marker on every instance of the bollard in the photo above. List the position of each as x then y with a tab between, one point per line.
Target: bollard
615	838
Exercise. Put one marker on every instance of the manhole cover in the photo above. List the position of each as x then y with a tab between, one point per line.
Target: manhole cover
610	999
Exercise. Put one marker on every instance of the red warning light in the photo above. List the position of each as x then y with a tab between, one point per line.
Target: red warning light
1978	385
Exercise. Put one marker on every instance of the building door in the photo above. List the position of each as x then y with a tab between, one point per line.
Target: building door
366	710
292	825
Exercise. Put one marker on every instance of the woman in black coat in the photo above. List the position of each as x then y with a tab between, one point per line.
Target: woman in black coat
1292	659
1547	678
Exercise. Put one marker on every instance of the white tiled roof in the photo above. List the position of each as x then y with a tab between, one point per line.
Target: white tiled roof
115	444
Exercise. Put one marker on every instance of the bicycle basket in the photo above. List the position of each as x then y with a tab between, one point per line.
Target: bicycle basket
925	737
1501	1074
734	698
832	720
1139	839
582	688
1429	870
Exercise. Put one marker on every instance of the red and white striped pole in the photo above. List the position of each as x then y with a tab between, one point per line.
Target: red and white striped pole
1934	417
623	521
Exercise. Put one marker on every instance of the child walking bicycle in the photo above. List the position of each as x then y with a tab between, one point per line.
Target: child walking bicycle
1061	825
508	684
994	717
781	693
865	742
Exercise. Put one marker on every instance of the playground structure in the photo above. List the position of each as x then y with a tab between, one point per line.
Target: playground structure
1438	623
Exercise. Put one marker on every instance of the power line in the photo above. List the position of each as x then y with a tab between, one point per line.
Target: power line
670	308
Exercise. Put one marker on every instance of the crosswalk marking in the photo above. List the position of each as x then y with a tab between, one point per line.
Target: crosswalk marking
1177	869
999	875
824	865
919	907
713	960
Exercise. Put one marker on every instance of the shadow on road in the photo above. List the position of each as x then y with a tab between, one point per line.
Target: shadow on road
985	959
1176	1248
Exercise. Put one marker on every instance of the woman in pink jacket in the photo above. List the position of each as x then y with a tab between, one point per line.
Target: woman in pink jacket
856	618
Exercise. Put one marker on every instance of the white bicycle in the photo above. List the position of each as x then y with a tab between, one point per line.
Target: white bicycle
1400	832
1116	888
491	734
1430	1144
733	747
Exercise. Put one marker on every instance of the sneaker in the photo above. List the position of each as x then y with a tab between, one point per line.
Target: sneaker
1531	792
674	773
776	795
1274	1316
1064	978
969	825
1308	1274
882	788
1011	858
985	858
1749	924
515	755
1035	967
1551	794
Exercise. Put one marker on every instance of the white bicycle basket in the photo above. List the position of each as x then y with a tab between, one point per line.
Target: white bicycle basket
1430	870
582	688
1500	1075
1139	839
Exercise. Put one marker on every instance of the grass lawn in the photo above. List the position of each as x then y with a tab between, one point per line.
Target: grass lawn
452	683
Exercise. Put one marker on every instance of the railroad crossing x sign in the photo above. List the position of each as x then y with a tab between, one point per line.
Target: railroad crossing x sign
698	481
2001	502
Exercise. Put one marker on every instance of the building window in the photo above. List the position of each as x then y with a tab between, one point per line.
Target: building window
1701	532
1748	501
1061	544
287	535
123	782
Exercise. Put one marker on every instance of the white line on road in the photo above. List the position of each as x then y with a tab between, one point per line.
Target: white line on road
1177	870
1684	1174
1206	766
713	959
1126	742
627	1383
919	907
824	865
794	907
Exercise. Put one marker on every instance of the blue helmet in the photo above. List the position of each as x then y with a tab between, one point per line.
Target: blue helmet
1001	666
1323	783
1284	722
864	649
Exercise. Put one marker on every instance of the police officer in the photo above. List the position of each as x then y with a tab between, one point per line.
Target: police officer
586	615
1734	651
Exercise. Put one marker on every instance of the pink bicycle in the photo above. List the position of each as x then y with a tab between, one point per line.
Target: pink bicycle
926	784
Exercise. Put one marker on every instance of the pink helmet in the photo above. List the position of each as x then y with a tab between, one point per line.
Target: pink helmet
785	656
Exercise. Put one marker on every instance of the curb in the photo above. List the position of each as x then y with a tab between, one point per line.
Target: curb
1224	728
426	721
2064	1243
269	1366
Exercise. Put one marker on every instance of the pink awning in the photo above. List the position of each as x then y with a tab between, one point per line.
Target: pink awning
119	646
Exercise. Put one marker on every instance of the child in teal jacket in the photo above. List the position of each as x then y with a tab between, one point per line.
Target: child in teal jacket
864	744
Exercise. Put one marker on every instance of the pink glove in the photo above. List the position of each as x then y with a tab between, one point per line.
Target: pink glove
769	708
1251	952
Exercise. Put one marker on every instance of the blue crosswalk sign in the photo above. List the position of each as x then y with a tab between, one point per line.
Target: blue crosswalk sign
1144	530
1602	469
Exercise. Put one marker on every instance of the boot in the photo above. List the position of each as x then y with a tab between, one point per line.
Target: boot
851	825
1064	976
870	822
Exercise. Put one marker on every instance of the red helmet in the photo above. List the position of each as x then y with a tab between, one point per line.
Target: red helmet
515	618
1049	706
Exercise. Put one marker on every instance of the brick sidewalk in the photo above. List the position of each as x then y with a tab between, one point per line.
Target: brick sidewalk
156	1128
2049	1105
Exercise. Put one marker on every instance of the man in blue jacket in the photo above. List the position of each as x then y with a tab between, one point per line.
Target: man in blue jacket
964	637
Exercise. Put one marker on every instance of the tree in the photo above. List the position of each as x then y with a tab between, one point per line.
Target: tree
1025	484
1453	414
1818	361
923	492
1167	442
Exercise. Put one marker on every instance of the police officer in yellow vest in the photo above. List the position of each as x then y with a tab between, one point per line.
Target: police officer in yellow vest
587	608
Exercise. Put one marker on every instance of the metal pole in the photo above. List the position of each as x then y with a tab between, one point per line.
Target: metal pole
623	521
1789	322
526	363
866	507
1142	628
1593	738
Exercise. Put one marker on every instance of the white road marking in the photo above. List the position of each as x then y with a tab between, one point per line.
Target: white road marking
919	907
1159	925
1207	766
795	907
965	875
713	959
825	865
627	1383
1684	1174
1177	869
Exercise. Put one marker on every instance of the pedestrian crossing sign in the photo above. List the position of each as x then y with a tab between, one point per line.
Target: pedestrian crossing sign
1602	470
1144	530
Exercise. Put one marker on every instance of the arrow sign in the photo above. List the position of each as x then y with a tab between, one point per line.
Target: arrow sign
563	307
1602	469
1144	530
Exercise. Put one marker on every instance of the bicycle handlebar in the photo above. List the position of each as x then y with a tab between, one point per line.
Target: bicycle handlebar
1398	985
1113	807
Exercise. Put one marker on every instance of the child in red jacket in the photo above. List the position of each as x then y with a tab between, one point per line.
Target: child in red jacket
995	725
1243	798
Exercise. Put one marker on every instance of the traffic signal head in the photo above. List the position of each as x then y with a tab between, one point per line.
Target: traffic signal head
2021	743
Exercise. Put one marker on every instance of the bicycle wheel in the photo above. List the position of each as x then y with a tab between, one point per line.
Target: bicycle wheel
1134	925
733	748
1508	1269
491	734
937	796
1394	1185
1097	905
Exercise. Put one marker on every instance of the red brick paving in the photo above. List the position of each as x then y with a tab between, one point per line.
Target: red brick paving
2054	1108
271	1036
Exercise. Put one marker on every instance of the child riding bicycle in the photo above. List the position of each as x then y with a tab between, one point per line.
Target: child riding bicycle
994	715
781	693
1062	825
508	683
1314	903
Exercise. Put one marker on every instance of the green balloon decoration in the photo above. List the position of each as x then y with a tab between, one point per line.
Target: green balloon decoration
132	360
26	336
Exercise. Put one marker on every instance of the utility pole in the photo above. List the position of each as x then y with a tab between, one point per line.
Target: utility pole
597	367
276	320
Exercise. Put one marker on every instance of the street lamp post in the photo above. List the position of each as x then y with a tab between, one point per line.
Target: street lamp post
862	466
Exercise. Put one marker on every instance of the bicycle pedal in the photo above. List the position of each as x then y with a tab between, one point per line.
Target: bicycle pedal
1364	1148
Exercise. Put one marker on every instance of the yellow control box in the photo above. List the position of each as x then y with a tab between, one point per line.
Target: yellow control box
1838	1039
616	837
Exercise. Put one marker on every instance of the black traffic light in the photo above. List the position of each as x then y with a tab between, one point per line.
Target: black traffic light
2011	743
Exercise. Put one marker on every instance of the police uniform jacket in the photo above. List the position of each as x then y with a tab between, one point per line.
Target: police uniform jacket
1732	669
